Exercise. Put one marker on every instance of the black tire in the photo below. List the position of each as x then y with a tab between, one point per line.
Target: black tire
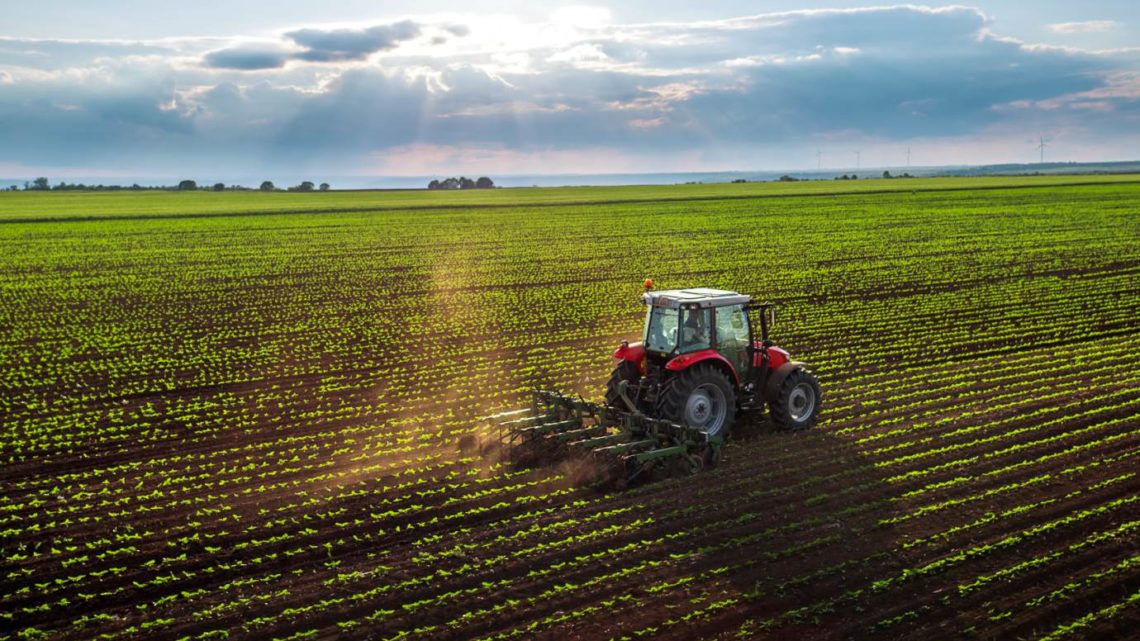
625	371
673	403
797	403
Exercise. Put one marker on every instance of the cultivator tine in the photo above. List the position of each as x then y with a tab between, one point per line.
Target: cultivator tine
588	444
574	437
522	423
502	415
625	448
550	428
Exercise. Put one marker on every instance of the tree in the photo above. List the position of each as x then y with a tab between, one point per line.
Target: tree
187	185
434	184
219	187
484	183
886	174
466	183
40	184
325	187
267	186
450	183
305	186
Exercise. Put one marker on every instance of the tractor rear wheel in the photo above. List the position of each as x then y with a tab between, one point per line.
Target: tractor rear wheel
797	402
701	397
625	371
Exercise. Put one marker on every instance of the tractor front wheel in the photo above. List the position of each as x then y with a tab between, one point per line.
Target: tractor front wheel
701	397
796	405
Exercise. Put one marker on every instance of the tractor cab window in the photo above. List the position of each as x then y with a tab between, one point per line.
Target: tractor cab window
732	335
671	330
696	329
661	329
732	325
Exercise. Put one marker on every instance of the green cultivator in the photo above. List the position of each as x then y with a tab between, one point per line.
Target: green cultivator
622	446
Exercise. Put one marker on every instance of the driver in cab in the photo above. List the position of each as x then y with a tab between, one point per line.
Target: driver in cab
695	334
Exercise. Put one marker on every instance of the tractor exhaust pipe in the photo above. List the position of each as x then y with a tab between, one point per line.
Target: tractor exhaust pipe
767	317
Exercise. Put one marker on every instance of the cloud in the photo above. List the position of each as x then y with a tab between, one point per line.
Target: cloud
246	59
351	44
319	45
1120	91
457	30
1088	26
585	53
46	54
736	91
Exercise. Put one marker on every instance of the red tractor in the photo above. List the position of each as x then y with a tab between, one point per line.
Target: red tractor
673	396
700	361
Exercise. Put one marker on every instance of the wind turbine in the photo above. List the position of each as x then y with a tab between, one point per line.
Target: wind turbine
818	160
1042	147
857	159
908	157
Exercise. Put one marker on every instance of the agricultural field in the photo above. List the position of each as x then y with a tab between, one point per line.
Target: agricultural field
256	416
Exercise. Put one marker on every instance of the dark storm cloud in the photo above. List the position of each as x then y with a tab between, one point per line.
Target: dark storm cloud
318	45
245	59
351	44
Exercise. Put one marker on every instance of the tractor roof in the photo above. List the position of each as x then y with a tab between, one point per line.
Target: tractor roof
695	296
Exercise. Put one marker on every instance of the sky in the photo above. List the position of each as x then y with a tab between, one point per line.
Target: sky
367	88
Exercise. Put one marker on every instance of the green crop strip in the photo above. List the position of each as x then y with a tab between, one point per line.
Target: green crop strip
253	416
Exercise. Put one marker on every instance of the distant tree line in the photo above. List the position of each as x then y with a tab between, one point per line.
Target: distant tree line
886	174
462	182
42	184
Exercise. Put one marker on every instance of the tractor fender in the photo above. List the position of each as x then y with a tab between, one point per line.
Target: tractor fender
685	361
633	352
778	377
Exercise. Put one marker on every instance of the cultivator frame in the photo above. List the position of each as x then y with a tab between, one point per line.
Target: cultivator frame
624	446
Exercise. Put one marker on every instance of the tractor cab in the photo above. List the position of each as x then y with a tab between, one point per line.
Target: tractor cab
684	321
704	354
